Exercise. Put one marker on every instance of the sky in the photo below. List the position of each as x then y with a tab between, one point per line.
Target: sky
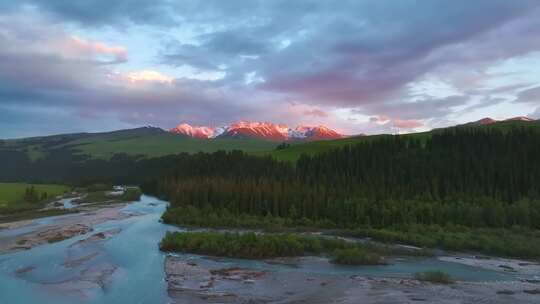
356	66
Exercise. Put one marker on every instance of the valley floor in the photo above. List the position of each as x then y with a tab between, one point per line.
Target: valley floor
189	282
109	254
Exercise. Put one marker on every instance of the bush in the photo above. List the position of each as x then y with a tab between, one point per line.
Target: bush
436	277
131	194
99	187
255	246
356	256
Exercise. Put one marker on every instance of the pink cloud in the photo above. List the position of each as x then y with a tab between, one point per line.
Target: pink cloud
407	124
149	76
316	113
380	119
396	122
79	46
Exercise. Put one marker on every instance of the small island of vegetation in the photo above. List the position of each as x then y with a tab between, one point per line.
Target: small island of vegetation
262	246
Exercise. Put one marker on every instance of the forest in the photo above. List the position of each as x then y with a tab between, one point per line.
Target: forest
469	177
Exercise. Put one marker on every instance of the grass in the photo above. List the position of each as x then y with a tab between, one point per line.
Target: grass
165	144
434	276
11	194
356	256
33	214
515	242
100	196
146	142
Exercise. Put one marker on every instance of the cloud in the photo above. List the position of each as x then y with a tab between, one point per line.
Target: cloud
535	114
148	76
95	49
531	95
364	55
102	13
341	63
50	79
316	113
407	124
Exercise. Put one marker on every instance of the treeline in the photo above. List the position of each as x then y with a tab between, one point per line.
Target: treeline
460	176
63	166
31	195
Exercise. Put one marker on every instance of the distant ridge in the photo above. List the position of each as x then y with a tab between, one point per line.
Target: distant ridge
260	130
489	121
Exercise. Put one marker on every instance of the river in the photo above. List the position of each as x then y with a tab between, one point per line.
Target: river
127	266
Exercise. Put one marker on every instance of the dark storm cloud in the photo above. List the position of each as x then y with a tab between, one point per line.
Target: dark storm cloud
361	55
422	109
536	114
531	95
361	52
101	12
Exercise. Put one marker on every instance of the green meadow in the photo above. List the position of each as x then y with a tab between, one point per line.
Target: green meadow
12	194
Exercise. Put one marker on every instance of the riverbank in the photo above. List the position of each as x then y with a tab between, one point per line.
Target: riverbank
30	233
74	201
112	256
190	281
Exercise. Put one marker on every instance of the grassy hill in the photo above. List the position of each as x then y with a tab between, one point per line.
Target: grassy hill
155	142
146	142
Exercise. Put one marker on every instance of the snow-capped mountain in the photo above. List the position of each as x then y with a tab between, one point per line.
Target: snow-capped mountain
261	130
194	131
485	121
489	121
520	118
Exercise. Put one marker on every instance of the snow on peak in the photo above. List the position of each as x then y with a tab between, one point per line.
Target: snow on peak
488	120
194	131
254	129
485	121
520	118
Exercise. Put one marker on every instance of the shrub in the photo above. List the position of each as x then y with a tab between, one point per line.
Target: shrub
356	256
436	277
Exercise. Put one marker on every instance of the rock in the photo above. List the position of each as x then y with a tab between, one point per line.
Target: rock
236	273
98	275
98	237
506	267
24	270
80	261
532	291
52	235
481	257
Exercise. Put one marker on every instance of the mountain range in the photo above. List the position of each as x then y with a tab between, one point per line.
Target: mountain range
255	138
489	121
259	130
